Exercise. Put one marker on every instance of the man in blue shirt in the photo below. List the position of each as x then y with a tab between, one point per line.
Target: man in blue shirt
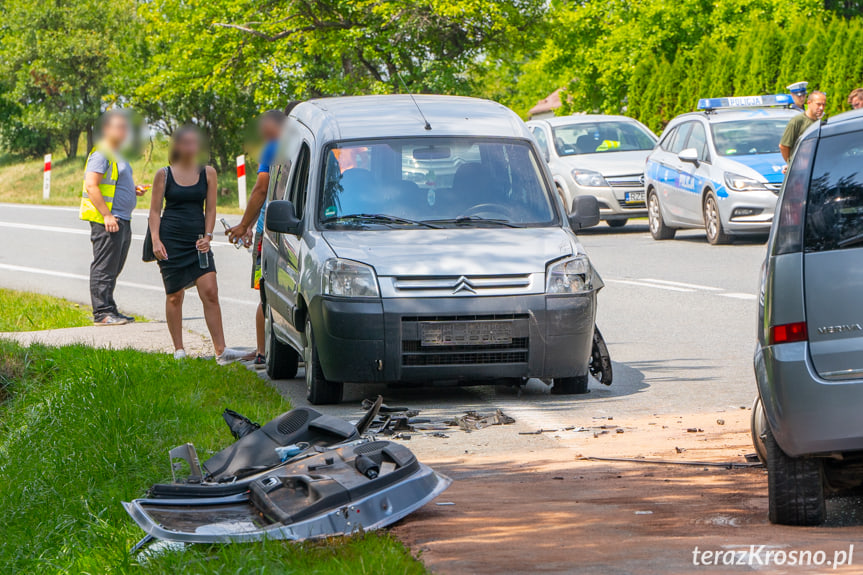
269	129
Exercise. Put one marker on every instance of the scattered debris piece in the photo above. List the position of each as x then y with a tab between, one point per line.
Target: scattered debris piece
442	503
720	422
679	449
472	420
694	430
537	432
557	478
619	430
644	512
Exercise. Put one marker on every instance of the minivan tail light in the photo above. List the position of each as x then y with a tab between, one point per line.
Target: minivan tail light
791	207
788	333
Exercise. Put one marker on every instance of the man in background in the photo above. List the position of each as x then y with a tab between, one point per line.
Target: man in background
855	99
107	201
815	105
269	129
798	94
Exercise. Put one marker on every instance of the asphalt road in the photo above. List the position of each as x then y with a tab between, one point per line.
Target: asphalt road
679	316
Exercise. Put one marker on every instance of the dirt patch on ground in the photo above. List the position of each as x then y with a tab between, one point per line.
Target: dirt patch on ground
551	511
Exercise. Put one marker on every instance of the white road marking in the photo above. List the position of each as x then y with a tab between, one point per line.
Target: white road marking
681	284
650	285
134	285
735	295
80	231
40	207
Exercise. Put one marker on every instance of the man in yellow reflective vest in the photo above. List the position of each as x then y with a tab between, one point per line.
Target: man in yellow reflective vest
107	201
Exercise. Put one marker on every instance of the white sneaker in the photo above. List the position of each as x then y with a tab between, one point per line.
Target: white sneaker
230	355
180	354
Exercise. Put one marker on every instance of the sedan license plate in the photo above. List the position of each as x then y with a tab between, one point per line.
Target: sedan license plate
447	333
634	197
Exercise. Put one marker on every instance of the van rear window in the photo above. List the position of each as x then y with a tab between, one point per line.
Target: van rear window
834	211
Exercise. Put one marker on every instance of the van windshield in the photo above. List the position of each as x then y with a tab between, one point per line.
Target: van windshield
434	182
601	137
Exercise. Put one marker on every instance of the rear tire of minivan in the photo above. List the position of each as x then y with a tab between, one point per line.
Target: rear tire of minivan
570	385
282	361
795	486
319	390
658	229
616	223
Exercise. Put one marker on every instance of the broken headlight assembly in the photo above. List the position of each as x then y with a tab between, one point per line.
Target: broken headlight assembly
572	275
346	278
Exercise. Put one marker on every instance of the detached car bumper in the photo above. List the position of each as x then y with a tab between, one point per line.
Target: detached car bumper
807	414
382	341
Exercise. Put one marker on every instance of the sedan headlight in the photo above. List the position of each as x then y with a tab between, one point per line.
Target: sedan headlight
346	278
588	178
569	276
740	183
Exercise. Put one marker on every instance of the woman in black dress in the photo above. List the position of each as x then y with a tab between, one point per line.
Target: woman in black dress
181	238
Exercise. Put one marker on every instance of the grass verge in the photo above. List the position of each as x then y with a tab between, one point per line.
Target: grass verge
22	311
82	429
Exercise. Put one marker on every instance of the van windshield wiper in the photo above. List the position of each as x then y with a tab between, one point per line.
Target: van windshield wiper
852	241
377	219
474	220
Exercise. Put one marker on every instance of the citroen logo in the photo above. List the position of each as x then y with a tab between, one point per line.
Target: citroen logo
463	284
641	179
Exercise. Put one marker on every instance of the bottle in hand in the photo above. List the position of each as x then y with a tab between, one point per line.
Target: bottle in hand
203	258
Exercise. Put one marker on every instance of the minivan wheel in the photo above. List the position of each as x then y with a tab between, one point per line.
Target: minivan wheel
713	222
319	390
616	223
795	486
757	427
658	229
282	361
570	385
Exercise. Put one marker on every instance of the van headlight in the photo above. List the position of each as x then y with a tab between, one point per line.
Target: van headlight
569	276
346	278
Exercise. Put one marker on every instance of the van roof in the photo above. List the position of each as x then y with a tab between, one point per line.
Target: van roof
361	117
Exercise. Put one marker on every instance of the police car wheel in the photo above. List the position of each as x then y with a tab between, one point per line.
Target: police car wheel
658	229
713	222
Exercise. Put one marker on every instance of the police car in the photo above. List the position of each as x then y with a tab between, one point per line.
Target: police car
719	168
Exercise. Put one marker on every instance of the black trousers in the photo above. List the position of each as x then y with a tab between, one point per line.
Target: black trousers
109	256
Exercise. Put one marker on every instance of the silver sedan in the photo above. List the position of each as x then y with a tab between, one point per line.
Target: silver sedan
600	156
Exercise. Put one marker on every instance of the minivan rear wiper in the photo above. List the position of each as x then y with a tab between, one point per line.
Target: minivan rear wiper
474	219
377	219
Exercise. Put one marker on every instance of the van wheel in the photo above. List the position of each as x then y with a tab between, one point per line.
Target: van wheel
757	427
282	360
319	390
658	229
795	486
570	385
616	223
713	222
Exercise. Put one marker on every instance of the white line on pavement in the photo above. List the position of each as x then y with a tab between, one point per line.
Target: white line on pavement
650	285
149	287
681	284
735	295
80	231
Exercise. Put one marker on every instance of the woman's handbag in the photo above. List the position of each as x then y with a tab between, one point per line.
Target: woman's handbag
148	255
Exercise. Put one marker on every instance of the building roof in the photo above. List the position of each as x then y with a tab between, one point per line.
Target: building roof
548	104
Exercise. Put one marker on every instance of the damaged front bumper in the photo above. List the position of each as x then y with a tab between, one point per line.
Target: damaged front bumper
340	482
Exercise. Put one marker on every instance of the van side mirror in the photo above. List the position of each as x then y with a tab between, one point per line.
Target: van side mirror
280	218
585	213
688	155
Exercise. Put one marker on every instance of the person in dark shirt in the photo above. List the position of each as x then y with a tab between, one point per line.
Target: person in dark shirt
815	105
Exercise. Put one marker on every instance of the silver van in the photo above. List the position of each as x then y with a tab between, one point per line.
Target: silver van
809	357
421	241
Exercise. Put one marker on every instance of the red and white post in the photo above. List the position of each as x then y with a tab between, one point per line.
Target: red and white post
46	178
241	180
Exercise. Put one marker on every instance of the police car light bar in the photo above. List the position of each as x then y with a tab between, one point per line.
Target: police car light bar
745	101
